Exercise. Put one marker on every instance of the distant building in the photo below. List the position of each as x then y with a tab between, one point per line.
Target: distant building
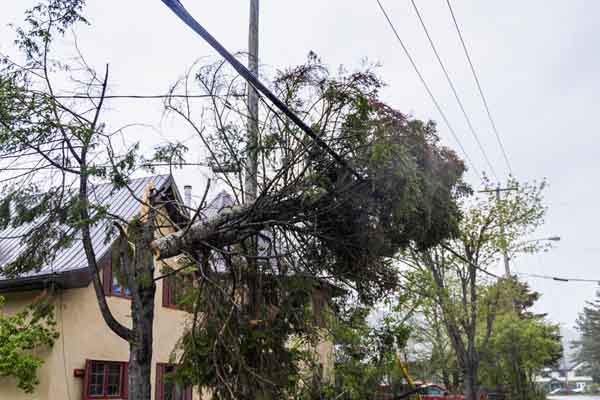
568	374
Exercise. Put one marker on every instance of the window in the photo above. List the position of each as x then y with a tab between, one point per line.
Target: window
434	391
113	279
168	390
175	290
105	380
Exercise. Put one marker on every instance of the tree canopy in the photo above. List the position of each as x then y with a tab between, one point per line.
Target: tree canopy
588	346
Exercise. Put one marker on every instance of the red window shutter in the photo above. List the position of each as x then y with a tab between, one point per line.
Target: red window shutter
160	384
125	379
188	392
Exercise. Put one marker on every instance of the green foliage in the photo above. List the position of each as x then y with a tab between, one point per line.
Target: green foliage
434	358
588	346
22	336
410	187
44	21
317	220
520	346
453	275
228	350
365	354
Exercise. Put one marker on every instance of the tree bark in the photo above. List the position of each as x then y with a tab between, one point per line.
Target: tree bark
232	225
471	382
143	290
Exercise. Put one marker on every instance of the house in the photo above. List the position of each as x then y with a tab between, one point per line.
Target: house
89	361
568	375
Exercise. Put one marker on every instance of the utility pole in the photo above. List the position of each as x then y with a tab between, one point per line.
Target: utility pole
251	188
251	182
498	192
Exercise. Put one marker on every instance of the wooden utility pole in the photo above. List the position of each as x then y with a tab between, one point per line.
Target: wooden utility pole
498	192
252	149
251	188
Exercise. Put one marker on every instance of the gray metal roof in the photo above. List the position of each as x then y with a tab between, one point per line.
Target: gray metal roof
120	202
217	204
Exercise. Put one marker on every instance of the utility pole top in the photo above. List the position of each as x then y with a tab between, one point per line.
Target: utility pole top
498	190
251	184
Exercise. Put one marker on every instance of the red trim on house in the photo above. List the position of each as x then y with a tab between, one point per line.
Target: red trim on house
160	387
160	383
168	297
123	377
107	277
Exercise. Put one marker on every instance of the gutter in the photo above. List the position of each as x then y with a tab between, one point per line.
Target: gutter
65	280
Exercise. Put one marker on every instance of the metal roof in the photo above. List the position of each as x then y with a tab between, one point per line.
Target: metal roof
122	202
217	204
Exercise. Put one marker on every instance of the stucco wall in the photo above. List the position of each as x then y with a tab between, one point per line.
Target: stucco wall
84	335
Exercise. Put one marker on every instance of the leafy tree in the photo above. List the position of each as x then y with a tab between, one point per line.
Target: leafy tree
454	273
435	358
521	344
365	353
22	336
588	346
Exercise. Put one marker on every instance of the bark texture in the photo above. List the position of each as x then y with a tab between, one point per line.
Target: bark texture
143	289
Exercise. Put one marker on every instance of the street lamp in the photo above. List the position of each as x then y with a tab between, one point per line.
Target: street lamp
548	239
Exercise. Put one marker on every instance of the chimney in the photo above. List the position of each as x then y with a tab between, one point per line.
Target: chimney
187	195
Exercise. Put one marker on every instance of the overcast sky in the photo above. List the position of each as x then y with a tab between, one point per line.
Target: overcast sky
537	61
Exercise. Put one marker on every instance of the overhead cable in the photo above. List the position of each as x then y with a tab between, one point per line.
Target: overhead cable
458	100
485	103
186	17
426	86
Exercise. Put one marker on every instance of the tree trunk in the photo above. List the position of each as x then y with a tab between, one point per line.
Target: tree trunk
143	290
446	379
471	382
140	351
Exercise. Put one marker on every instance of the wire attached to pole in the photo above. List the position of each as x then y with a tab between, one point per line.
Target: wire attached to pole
186	17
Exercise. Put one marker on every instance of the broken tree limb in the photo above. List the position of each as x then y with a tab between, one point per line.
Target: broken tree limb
207	231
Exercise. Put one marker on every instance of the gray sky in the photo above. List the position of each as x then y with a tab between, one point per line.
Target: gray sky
537	61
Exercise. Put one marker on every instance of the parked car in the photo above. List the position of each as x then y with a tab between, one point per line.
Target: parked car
433	392
437	392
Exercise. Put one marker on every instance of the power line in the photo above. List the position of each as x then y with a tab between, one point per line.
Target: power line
458	100
485	103
136	96
177	8
559	279
433	99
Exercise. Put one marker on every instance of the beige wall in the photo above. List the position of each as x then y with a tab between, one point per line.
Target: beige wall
84	335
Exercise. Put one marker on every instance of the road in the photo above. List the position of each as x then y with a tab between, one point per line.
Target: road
575	397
